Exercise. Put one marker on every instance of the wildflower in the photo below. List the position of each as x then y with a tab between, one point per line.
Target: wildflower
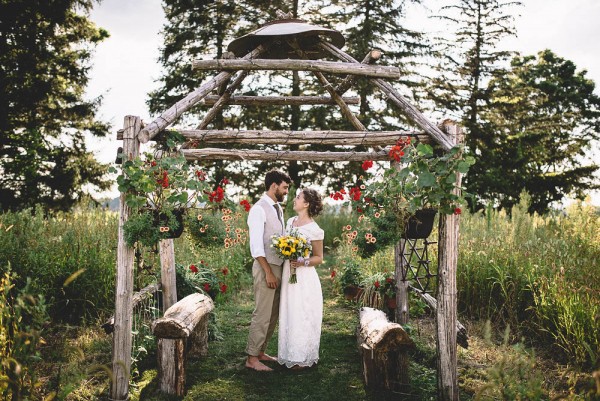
206	287
223	288
348	227
153	164
201	175
217	195
199	217
333	274
377	214
193	268
367	164
389	280
225	271
373	240
457	210
355	193
246	205
376	284
359	210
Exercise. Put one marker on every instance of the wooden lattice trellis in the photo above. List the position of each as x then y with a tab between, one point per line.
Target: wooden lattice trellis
446	136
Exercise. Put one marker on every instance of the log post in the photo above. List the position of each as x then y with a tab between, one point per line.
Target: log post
121	347
248	154
181	332
446	315
168	276
346	112
218	106
380	343
372	56
402	307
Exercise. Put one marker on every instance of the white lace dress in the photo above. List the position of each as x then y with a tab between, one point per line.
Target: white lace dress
300	309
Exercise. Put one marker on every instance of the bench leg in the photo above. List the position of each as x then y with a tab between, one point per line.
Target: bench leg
171	365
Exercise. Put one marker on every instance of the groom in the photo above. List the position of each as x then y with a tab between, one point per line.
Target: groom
265	220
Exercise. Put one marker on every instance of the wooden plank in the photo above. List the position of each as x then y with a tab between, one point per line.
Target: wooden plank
412	112
279	100
173	113
246	154
331	67
446	315
121	347
367	138
168	275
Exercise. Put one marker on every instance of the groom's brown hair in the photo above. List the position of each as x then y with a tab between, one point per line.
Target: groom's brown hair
276	177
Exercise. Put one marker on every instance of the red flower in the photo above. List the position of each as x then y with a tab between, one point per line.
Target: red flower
216	195
457	211
389	280
224	181
202	262
153	164
343	191
376	284
359	210
206	287
246	205
225	271
201	175
367	164
223	288
193	268
355	193
332	273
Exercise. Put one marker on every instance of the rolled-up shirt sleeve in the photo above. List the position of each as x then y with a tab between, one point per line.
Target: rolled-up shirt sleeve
256	227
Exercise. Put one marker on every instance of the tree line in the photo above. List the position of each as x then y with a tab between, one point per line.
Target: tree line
530	119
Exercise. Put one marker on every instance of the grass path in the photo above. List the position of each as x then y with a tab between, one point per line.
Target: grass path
222	375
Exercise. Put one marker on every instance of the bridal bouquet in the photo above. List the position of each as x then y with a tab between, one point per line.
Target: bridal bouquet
292	246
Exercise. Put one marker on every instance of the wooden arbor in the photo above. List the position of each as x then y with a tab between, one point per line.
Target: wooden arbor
265	54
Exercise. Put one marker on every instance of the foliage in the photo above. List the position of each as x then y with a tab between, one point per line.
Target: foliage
541	155
45	53
22	317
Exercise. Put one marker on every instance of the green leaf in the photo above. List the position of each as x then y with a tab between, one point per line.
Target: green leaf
451	179
463	167
424	149
426	180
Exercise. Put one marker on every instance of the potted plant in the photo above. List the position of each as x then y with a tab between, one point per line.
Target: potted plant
349	280
159	187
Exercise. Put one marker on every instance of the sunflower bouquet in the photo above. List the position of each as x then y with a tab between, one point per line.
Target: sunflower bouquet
292	246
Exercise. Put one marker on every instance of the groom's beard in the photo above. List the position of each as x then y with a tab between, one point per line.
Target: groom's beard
280	196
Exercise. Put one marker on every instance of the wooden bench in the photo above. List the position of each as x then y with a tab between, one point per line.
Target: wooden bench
182	332
381	344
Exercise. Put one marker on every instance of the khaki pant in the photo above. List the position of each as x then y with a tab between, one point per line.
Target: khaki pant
266	313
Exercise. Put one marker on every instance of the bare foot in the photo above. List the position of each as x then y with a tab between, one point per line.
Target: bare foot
265	357
257	365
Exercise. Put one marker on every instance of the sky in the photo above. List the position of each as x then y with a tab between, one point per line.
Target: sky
126	67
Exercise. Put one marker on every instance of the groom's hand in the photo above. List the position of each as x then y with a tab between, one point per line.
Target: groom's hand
271	280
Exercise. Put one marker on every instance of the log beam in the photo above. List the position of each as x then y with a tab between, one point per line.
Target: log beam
283	155
367	138
173	113
331	67
343	86
223	100
412	112
279	100
346	112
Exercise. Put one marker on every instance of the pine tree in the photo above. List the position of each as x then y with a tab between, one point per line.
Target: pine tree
544	116
45	49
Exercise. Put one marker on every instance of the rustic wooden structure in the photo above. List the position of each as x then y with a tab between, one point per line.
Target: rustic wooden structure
181	332
289	51
381	343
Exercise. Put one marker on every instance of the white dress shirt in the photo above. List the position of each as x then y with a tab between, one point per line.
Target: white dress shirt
256	226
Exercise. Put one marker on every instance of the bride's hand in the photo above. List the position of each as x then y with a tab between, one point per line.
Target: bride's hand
295	264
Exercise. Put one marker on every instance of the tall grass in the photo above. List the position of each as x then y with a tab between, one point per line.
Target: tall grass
537	273
50	250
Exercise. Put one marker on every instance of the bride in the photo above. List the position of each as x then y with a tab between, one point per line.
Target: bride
301	304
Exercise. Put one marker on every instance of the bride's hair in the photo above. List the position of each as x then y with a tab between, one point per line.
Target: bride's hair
315	203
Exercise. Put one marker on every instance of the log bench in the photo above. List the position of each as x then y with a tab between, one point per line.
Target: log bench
182	332
382	345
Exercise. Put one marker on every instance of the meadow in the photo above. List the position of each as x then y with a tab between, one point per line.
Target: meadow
535	278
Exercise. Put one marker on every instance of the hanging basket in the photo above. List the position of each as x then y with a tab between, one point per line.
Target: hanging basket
420	225
161	219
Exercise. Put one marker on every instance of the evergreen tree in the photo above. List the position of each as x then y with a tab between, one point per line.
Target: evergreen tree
45	49
544	117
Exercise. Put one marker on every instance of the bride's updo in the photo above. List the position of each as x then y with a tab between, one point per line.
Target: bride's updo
315	203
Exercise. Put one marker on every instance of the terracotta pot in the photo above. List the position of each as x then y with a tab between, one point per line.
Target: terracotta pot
420	225
352	292
391	302
161	219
